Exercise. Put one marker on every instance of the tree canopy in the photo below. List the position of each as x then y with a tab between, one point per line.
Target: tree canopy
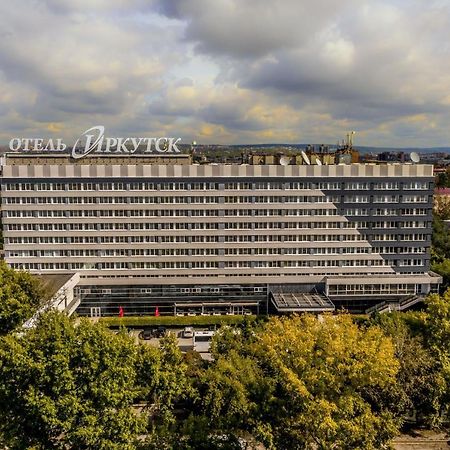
297	382
64	385
20	296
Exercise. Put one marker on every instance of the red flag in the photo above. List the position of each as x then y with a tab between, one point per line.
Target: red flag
120	311
157	312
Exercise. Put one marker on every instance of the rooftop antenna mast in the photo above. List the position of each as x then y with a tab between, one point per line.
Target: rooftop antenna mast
351	138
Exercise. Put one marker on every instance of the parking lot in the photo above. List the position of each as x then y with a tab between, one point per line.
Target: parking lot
184	343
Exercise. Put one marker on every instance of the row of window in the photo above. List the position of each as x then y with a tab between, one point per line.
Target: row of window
248	251
385	199
399	237
168	200
204	251
166	290
214	200
177	239
175	186
234	274
140	226
355	212
215	212
371	289
204	265
400	250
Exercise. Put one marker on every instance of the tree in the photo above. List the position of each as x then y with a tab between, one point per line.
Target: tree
443	179
441	207
323	369
163	374
440	252
420	383
300	383
443	269
440	239
64	386
20	297
167	390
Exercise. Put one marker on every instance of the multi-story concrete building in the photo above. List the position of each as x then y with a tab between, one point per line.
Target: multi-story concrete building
162	232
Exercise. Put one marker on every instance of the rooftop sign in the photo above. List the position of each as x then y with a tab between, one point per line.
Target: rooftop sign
93	140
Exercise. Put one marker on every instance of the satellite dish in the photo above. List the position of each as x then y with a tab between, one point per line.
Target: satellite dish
284	161
415	158
305	157
318	162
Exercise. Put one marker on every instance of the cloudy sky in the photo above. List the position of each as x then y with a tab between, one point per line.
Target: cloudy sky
228	71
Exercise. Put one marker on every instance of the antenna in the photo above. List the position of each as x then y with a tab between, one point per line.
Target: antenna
415	158
305	157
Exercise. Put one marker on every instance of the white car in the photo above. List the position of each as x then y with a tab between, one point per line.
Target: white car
188	332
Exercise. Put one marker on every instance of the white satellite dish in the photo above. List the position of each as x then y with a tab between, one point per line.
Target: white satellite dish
318	161
415	158
305	157
284	161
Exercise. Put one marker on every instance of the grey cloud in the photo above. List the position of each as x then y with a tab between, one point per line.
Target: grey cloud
252	28
77	67
369	61
252	70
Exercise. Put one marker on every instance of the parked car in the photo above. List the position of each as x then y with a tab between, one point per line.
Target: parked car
188	332
146	335
160	332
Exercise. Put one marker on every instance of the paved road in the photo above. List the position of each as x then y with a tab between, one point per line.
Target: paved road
423	440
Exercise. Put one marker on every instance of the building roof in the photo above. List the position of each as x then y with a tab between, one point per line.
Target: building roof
161	171
301	302
51	283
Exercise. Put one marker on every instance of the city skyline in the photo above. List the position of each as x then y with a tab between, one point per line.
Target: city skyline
226	72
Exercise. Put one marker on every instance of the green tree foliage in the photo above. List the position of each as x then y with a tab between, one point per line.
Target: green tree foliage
20	296
440	240
443	269
164	380
420	383
438	326
64	386
443	179
437	321
299	383
440	252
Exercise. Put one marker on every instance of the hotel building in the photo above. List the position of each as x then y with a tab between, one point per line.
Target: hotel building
152	231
